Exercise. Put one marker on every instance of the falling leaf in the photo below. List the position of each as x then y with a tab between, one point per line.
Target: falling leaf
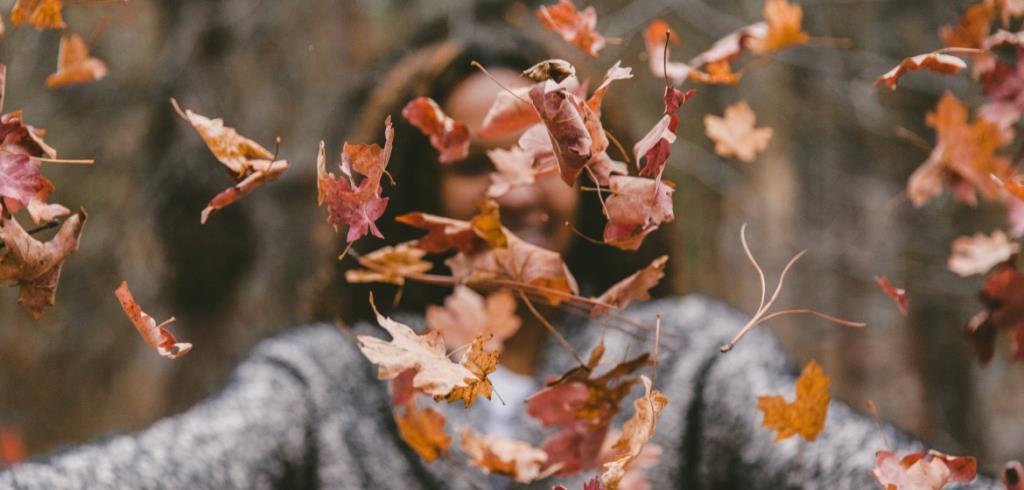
784	30
390	264
436	375
467	315
12	446
576	27
514	168
972	29
487	225
806	414
156	336
635	477
636	207
582	405
563	117
554	69
602	167
248	164
423	430
922	471
656	146
35	266
635	287
898	295
481	363
964	157
935	61
447	136
979	253
635	433
74	65
735	135
498	455
442	233
348	204
509	113
1003	299
41	14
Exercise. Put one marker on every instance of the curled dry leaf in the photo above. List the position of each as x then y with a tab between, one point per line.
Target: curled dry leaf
423	430
635	287
635	433
898	295
635	208
979	253
442	233
922	471
498	455
436	375
390	265
577	27
1003	299
552	69
467	315
934	61
35	266
248	164
656	145
964	157
562	115
41	14
735	135
805	415
356	206
511	112
74	65
156	336
447	136
635	477
582	406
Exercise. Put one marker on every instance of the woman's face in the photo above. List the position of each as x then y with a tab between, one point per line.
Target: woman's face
537	212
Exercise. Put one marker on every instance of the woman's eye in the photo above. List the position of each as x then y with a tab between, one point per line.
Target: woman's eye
474	164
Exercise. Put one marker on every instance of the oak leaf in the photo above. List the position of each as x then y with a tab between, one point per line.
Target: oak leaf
735	135
922	471
934	61
635	433
898	295
156	336
35	266
805	415
248	164
348	204
467	315
447	136
74	65
499	455
635	287
577	27
423	430
979	253
41	14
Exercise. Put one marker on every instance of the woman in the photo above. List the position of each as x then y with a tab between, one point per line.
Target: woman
306	410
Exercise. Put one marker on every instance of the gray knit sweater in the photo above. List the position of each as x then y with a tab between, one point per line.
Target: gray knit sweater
306	411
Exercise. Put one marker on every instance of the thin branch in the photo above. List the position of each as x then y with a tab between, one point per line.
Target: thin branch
808	311
42	227
878	422
477	65
65	162
561	340
753	262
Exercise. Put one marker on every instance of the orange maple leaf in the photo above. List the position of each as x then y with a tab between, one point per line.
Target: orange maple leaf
423	430
74	65
806	414
735	134
41	14
784	28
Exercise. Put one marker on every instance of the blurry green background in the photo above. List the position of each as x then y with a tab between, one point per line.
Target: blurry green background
831	181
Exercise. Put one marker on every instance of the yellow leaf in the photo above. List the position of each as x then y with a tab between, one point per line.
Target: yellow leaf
806	414
423	430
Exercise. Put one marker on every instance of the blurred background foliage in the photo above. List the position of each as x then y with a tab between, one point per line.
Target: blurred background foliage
832	181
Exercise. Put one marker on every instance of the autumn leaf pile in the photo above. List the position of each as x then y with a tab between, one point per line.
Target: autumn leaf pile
495	274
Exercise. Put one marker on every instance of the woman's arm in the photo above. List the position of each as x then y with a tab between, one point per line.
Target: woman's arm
712	427
258	432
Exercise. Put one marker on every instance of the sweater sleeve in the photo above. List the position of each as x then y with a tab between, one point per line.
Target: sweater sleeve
258	432
712	428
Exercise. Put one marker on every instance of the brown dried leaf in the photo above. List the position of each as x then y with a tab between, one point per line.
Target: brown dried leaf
390	264
423	430
934	61
156	336
634	287
498	455
922	471
735	135
635	433
806	414
467	315
447	136
576	27
35	266
979	253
